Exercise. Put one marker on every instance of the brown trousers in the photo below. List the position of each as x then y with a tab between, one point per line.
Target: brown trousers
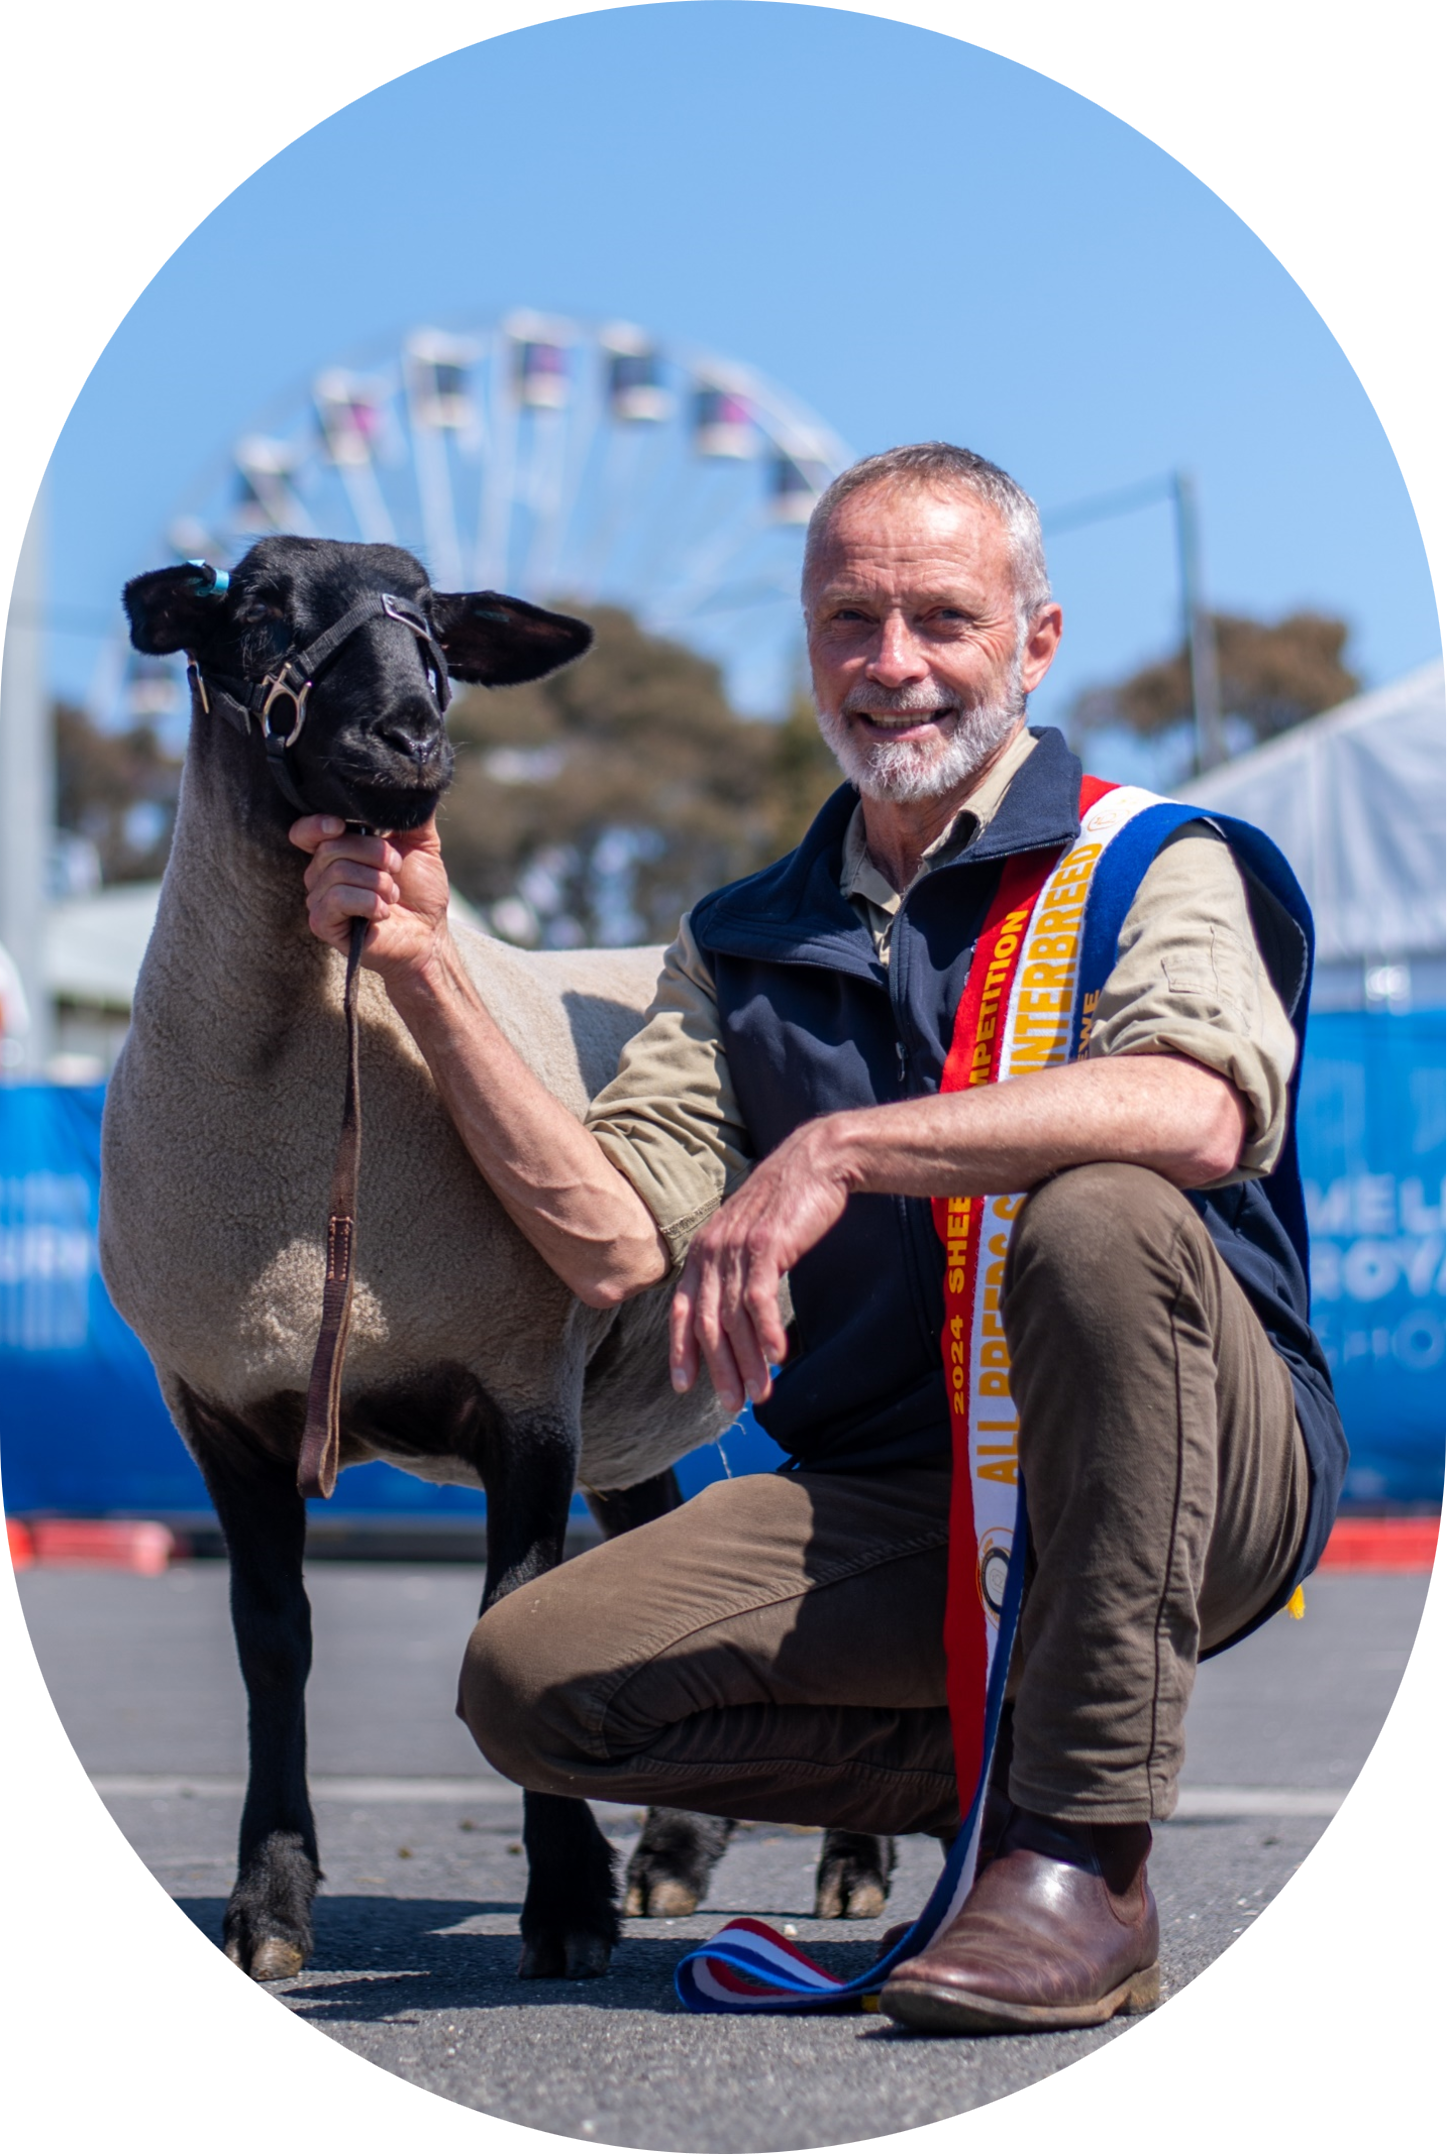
772	1650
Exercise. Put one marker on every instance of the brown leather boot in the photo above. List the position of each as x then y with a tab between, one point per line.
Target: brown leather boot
1060	1932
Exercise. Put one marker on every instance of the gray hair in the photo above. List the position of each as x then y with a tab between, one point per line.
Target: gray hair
943	466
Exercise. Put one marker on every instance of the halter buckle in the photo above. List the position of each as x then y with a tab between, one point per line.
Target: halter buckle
277	685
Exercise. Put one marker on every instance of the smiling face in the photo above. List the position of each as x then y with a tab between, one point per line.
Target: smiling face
920	668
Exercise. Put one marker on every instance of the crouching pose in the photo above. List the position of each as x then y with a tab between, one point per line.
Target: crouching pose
773	1650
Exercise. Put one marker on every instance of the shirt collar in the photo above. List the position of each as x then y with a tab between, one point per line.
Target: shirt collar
860	878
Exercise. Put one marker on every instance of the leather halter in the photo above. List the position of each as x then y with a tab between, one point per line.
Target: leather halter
239	698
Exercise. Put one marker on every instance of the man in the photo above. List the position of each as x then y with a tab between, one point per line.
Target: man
773	1649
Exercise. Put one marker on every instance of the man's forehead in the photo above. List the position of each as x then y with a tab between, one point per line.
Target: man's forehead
885	531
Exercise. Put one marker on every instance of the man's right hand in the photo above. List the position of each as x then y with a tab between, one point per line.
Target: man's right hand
549	1172
397	882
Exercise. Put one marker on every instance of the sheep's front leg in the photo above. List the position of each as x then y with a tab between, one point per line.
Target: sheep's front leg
268	1928
570	1913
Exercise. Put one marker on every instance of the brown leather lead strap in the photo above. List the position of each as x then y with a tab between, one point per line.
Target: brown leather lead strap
316	1469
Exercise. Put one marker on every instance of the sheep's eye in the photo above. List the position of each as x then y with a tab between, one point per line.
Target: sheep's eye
256	612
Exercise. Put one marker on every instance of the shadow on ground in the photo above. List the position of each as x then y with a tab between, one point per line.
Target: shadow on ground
428	1956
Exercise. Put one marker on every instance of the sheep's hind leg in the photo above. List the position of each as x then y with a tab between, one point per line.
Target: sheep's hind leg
853	1874
268	1929
569	1919
669	1871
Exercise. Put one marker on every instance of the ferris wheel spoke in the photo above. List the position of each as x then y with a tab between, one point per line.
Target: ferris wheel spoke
439	525
550	448
368	507
584	439
700	571
728	598
600	506
683	505
283	509
495	509
632	476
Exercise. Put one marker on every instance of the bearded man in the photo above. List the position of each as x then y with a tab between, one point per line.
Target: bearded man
773	1649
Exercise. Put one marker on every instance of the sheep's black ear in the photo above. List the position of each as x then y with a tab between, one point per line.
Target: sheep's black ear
174	609
498	641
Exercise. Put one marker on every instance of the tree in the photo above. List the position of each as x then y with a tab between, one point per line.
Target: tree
597	805
1273	674
118	791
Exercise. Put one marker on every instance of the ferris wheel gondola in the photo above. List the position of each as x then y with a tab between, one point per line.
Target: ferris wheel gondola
562	460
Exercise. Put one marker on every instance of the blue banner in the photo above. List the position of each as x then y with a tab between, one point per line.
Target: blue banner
1371	1127
83	1427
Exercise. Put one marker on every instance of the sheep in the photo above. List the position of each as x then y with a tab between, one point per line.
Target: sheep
468	1361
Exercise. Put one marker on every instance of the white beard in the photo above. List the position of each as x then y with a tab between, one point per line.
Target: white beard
919	770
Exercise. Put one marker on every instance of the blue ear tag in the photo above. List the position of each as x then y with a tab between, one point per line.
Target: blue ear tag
218	584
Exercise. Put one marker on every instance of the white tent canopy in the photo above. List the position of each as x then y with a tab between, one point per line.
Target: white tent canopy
1355	800
94	945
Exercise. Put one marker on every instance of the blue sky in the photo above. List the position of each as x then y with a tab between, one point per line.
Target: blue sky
916	237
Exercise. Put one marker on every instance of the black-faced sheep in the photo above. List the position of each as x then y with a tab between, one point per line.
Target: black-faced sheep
468	1361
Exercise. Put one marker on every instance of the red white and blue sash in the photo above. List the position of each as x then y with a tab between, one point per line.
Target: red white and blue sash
1044	953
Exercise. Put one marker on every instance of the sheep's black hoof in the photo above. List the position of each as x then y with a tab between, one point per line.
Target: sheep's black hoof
574	1957
570	1919
658	1897
268	1929
668	1872
273	1960
853	1875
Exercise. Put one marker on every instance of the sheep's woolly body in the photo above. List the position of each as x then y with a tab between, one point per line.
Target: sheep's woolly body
221	1123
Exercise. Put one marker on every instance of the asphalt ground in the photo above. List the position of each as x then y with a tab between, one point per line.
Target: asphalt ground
417	1920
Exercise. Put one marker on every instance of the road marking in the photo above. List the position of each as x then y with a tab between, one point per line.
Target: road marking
1259	1803
1194	1803
337	1788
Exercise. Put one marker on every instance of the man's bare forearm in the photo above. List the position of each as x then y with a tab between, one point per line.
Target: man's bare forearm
546	1169
1157	1111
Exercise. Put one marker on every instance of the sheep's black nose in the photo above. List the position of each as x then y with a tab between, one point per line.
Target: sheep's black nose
414	738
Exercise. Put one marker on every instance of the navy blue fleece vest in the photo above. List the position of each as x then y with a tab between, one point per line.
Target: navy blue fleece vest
813	1023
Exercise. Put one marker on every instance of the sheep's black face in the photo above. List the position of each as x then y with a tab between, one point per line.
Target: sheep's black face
373	747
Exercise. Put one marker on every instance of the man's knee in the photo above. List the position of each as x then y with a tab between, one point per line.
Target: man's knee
510	1694
1094	1237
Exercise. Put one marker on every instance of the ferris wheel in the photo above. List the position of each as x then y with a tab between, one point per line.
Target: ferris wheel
562	460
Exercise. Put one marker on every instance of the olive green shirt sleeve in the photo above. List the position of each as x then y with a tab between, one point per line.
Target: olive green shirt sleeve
669	1120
